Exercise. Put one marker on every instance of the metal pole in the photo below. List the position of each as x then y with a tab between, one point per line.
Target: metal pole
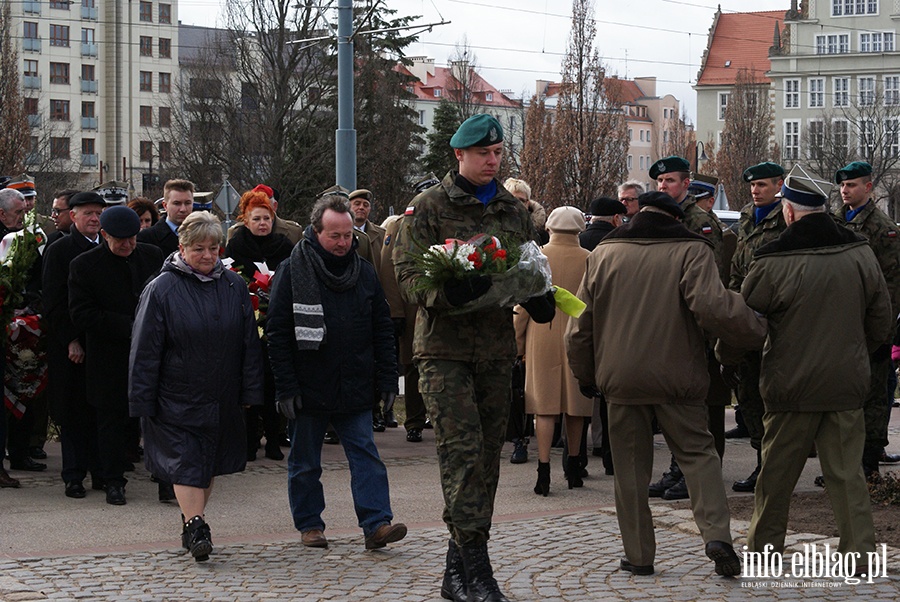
345	137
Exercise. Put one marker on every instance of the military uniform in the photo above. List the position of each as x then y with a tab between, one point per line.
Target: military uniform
884	240
699	221
464	360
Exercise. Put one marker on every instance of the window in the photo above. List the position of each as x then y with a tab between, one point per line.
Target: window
630	134
146	150
60	5
816	92
489	96
866	91
146	45
165	48
421	117
642	135
165	151
146	116
815	138
59	73
836	43
648	135
642	162
165	13
630	162
59	148
792	94
87	36
87	109
892	90
59	110
723	104
30	30
876	41
892	137
841	91
145	12
841	128
88	146
59	35
31	106
437	92
31	68
88	73
854	7
146	81
165	82
665	136
867	138
792	140
165	117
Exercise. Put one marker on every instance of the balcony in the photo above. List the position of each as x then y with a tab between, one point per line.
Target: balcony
31	44
32	82
31	8
89	13
34	121
89	123
89	85
89	160
88	49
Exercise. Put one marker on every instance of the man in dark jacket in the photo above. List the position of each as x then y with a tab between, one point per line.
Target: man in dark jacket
65	347
606	215
178	202
104	287
331	343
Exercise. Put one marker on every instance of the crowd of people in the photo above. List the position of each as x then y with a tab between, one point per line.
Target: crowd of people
168	338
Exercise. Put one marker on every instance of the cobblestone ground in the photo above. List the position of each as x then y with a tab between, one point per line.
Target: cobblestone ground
570	557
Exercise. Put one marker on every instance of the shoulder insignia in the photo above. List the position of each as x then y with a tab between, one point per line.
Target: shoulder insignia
706	230
409	210
387	240
892	234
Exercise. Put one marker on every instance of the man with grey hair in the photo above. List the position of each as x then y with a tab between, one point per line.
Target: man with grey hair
331	343
628	195
12	211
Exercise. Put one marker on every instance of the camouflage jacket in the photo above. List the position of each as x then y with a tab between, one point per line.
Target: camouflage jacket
447	211
884	238
700	222
752	236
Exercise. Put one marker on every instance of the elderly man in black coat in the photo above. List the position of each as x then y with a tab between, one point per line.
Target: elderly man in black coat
104	287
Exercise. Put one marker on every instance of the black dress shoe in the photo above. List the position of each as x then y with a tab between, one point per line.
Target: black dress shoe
520	452
428	424
27	464
737	433
390	421
37	453
747	485
636	569
887	458
378	425
727	562
75	489
414	435
8	481
331	438
273	451
115	495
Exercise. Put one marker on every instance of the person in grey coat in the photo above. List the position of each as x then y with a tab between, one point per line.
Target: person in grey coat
195	362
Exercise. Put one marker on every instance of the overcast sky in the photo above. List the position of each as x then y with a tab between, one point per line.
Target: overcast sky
519	41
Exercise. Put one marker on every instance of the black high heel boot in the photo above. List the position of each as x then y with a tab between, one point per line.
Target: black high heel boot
542	487
573	472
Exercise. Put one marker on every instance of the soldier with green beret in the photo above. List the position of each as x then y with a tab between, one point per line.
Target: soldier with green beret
860	214
465	359
761	222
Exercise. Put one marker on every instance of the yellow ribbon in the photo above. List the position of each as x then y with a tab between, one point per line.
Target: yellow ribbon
568	303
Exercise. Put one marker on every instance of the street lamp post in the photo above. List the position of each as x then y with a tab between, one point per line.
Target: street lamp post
699	155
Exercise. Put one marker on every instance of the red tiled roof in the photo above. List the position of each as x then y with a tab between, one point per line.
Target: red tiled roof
743	39
443	79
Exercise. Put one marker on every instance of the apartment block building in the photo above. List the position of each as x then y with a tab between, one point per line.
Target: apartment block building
97	79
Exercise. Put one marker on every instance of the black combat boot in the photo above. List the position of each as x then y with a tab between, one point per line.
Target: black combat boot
480	583
748	485
454	584
668	480
198	538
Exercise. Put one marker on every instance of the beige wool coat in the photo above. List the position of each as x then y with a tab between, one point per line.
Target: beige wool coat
550	386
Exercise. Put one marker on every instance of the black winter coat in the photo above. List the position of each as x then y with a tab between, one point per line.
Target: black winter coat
593	234
195	361
246	249
103	294
357	356
160	235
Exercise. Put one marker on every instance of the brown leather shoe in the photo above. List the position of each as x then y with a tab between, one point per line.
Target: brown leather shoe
8	481
314	538
384	535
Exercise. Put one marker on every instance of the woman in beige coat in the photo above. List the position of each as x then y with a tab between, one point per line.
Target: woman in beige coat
550	387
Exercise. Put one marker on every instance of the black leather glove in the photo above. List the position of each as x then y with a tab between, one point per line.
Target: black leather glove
288	407
542	308
460	292
399	326
388	398
731	376
589	391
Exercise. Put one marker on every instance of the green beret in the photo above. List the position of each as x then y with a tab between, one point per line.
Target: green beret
857	169
764	170
478	130
669	164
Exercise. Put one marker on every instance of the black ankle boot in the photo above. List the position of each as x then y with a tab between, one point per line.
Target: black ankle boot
199	539
542	487
573	472
480	583
454	584
668	480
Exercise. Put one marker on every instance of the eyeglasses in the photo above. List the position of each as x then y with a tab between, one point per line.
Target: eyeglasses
628	199
55	211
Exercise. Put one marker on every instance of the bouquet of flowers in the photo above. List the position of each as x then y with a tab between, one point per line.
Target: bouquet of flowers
26	363
517	272
258	287
18	252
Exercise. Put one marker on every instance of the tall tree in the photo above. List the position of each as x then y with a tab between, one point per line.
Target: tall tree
14	133
465	85
536	168
440	157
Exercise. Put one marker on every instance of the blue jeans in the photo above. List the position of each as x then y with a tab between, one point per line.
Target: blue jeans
368	476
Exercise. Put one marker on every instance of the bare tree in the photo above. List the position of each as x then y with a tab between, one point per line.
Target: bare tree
536	168
14	135
674	137
465	85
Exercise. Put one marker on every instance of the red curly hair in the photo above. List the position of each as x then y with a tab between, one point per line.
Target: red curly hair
253	199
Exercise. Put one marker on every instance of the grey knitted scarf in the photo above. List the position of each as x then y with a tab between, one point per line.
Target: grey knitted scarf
307	270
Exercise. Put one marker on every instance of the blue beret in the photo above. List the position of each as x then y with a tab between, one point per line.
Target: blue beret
669	164
120	221
760	171
857	169
661	200
478	130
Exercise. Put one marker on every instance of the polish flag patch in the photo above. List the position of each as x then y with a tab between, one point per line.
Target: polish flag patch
706	230
409	210
892	234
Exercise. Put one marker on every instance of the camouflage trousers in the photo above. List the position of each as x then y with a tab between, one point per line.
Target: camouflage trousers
750	399
877	410
468	403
